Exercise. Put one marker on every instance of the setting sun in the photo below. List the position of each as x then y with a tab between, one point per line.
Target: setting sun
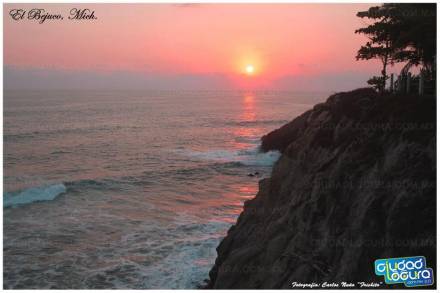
250	69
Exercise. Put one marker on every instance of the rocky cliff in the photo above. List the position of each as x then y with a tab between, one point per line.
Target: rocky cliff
355	182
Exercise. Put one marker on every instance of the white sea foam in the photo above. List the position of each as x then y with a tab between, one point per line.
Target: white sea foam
251	157
193	254
41	193
256	158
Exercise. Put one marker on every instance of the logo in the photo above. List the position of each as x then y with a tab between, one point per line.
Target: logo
411	271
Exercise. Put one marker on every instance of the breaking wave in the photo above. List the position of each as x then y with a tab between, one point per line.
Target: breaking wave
250	157
34	194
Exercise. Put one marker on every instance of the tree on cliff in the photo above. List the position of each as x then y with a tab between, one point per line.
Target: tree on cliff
399	33
415	39
380	45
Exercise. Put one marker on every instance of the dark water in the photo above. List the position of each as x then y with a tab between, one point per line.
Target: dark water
129	189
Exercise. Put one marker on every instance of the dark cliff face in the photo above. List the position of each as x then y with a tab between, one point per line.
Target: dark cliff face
355	183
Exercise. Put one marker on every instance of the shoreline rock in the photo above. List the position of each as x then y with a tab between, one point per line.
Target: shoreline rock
356	182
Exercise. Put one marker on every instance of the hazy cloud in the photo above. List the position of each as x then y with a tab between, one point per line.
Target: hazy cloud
35	78
17	78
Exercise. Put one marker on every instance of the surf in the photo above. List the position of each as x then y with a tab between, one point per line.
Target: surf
33	194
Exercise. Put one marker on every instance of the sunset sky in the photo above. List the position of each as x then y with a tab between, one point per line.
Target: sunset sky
288	46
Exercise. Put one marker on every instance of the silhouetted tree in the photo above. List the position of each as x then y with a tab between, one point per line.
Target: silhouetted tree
414	35
400	32
380	45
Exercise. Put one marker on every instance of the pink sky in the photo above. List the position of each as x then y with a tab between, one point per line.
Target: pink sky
279	40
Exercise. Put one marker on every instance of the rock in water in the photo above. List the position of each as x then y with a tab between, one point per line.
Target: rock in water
356	182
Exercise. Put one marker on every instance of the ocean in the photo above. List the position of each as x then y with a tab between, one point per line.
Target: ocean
130	189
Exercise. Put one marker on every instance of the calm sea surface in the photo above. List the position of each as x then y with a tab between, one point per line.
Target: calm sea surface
130	189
